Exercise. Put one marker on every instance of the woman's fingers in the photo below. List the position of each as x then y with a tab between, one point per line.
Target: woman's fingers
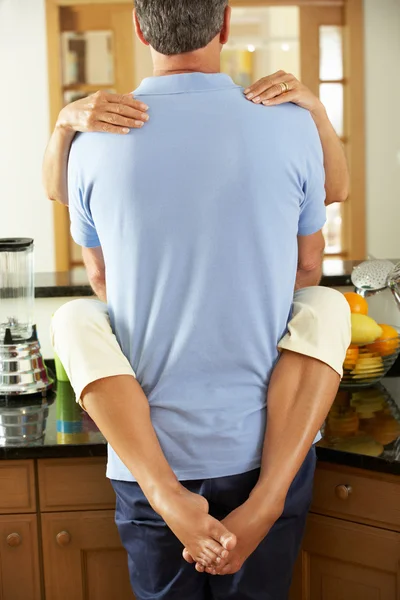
131	101
126	111
114	113
269	87
102	127
287	97
270	91
262	84
123	99
277	91
119	120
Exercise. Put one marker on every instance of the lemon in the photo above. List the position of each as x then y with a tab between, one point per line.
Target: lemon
364	330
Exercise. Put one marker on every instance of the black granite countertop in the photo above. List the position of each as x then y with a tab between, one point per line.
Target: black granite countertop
63	284
362	430
51	427
336	273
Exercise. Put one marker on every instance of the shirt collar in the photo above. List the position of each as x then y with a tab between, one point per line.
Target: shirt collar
185	82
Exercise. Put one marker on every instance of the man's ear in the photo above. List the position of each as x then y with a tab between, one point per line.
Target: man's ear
138	30
226	28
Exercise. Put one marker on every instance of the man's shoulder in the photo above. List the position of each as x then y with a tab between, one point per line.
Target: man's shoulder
287	112
89	146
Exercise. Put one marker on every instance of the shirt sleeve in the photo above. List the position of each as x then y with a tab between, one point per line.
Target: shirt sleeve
83	229
312	208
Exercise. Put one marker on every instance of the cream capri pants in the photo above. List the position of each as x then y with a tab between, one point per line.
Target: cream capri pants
82	337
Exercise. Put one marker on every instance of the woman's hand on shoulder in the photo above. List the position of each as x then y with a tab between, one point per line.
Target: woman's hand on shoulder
283	87
104	112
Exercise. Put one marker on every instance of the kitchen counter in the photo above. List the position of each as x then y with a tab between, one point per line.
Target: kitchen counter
336	273
363	429
66	430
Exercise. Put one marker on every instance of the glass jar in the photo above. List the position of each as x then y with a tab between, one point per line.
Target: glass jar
16	290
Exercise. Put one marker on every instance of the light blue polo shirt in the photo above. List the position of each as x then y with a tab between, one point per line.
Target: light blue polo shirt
198	215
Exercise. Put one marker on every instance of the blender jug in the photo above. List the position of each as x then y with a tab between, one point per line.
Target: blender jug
22	369
16	290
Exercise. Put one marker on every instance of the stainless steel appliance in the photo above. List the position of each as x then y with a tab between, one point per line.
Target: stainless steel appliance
374	276
22	369
23	420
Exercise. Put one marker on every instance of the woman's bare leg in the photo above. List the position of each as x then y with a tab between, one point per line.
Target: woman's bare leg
300	394
105	383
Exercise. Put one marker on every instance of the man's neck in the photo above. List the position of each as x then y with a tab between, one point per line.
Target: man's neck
162	72
201	61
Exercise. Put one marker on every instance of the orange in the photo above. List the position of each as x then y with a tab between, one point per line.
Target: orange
351	358
387	343
342	423
357	303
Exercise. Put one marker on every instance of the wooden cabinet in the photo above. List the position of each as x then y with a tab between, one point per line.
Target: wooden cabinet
360	496
58	539
19	563
347	561
83	557
19	542
74	484
354	553
17	487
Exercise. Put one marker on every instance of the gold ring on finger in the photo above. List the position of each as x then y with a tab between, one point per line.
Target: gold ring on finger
284	87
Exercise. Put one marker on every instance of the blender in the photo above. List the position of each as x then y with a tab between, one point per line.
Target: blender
24	381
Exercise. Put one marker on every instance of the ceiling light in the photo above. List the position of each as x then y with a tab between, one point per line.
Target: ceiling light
251	48
285	47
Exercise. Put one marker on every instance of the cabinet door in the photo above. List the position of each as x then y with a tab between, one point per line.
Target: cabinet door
347	561
19	564
83	557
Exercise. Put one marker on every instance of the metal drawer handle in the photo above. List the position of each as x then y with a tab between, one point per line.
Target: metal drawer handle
63	538
343	491
14	540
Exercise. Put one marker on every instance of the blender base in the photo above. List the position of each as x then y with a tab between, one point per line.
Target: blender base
22	368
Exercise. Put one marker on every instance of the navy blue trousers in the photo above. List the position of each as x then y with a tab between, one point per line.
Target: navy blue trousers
157	569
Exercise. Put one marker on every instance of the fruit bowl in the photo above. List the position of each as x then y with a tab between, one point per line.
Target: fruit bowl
365	365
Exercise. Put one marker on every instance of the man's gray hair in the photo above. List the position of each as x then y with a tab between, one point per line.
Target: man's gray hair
178	26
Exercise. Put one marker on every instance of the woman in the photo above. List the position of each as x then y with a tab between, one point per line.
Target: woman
84	319
115	113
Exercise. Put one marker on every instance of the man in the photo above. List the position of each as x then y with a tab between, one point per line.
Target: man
196	230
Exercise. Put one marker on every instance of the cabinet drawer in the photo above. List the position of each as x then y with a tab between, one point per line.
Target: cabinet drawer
17	486
74	484
358	496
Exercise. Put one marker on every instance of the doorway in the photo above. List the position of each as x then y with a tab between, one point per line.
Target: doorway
320	42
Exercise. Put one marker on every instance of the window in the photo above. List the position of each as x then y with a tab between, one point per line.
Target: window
331	91
266	39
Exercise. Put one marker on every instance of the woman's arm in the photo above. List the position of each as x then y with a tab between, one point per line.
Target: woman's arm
54	170
337	178
102	112
282	87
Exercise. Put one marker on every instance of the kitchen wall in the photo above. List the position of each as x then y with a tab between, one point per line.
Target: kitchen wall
382	93
25	124
24	111
44	310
